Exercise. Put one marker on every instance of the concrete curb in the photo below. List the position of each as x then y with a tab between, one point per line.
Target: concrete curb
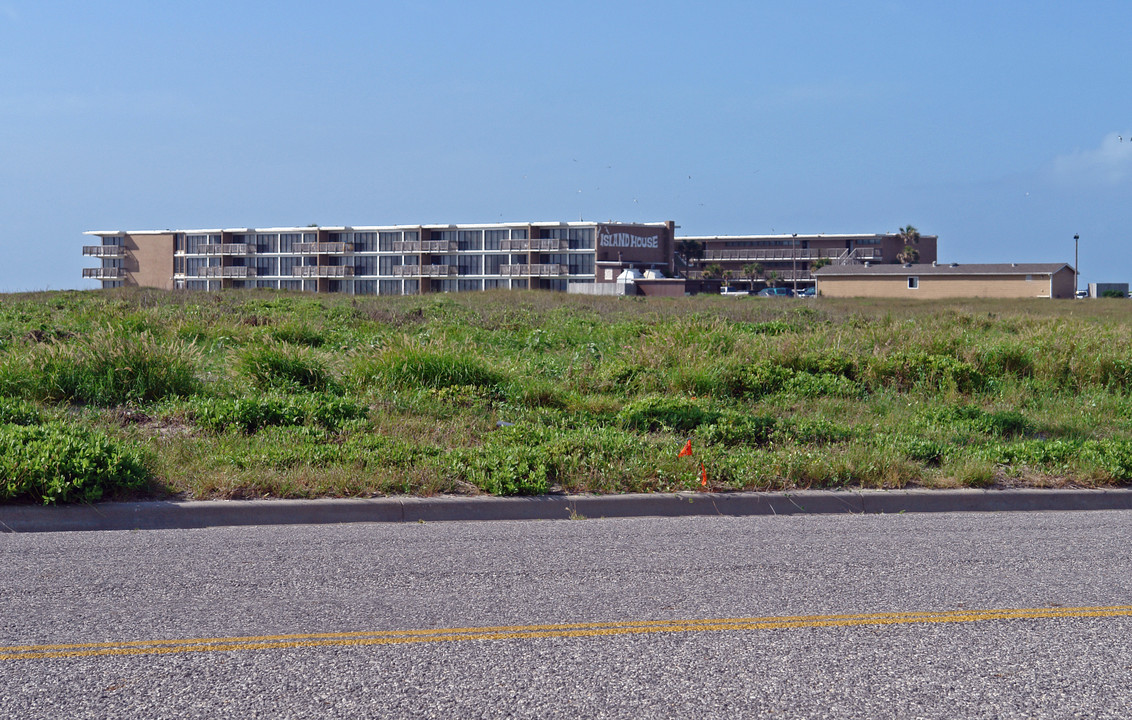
159	515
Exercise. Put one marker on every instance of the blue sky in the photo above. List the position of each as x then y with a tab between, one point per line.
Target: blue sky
992	124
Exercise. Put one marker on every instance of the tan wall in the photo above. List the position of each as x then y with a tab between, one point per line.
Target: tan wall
1063	282
937	287
149	260
661	288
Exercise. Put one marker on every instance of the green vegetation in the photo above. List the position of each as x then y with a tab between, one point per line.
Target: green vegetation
245	394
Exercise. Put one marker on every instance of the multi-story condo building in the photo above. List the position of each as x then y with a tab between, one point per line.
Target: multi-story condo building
791	257
383	260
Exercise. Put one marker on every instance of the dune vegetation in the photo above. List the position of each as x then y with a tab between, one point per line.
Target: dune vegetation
141	393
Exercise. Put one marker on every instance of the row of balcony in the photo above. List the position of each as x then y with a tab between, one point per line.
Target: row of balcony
338	248
543	270
786	254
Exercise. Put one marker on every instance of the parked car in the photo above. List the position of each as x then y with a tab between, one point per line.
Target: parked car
806	292
776	292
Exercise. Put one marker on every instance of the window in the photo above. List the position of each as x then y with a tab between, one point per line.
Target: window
385	241
470	240
913	283
365	242
493	238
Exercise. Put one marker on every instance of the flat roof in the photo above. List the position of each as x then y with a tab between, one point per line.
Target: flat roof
943	269
800	236
367	228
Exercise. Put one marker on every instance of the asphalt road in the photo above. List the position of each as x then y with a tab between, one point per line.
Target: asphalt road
988	615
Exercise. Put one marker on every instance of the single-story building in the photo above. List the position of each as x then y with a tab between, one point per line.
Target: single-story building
931	281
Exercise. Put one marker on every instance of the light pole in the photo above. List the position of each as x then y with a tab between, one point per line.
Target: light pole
794	262
1076	266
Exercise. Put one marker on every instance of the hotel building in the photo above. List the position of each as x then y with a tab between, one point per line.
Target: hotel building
383	260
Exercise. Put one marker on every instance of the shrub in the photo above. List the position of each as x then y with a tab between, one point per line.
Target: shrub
753	380
813	431
735	429
53	463
18	412
506	469
284	367
805	384
665	413
906	370
1002	423
249	414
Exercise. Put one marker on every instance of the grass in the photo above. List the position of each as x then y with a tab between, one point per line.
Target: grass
253	393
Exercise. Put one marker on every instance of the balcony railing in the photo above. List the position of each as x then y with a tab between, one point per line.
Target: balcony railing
104	251
406	246
437	270
226	272
550	244
323	271
322	248
544	270
223	249
442	246
786	254
513	245
104	273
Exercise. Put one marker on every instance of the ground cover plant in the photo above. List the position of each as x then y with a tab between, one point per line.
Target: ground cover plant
127	393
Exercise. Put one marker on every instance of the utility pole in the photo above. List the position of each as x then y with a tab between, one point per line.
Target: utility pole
1076	266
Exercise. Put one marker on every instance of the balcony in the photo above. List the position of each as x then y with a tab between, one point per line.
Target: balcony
514	245
104	273
438	270
223	249
403	270
439	246
322	248
407	246
226	272
327	271
104	251
550	244
544	270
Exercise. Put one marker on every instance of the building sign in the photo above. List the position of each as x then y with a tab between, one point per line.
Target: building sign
612	236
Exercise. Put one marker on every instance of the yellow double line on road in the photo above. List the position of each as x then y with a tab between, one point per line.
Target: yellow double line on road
523	632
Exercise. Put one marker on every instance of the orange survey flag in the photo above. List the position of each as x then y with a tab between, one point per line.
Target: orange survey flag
703	474
687	449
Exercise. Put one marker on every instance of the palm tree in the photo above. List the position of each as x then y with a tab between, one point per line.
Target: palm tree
715	270
752	271
771	279
819	263
909	234
690	251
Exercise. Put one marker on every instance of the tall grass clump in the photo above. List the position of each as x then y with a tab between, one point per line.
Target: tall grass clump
421	368
54	463
275	366
108	368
